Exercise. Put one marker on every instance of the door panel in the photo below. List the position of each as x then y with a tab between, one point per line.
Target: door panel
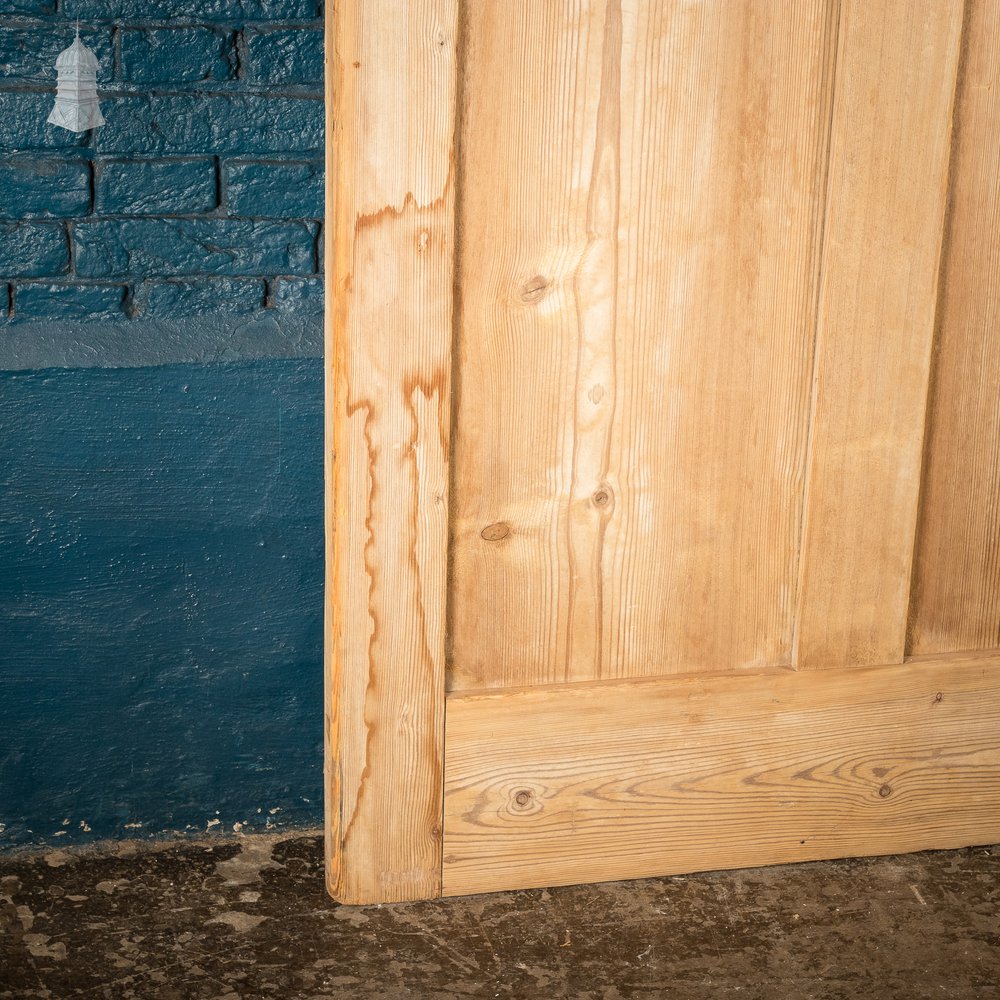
661	371
956	580
895	84
641	210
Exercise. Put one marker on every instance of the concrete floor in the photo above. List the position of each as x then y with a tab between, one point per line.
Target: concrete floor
247	920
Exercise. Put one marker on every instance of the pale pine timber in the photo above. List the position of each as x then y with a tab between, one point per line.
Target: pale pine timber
956	574
888	175
612	780
391	99
642	198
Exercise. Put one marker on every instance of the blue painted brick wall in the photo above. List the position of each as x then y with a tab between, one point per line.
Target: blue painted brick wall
202	194
161	613
161	403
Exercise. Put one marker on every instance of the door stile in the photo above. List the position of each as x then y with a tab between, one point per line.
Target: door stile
390	244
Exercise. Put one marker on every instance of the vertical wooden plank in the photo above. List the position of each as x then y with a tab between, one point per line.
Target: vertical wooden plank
895	85
531	89
641	214
391	95
956	575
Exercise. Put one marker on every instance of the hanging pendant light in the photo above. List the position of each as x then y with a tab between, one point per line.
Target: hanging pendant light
76	105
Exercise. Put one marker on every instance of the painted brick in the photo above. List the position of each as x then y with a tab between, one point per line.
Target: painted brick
29	54
38	8
205	296
203	10
177	55
274	190
68	301
303	296
34	187
155	187
23	124
291	56
28	250
153	247
188	123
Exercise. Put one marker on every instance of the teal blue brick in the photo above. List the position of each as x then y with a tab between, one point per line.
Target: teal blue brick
28	54
29	250
285	56
277	190
236	11
68	301
200	297
302	296
35	8
155	187
177	55
23	124
254	125
175	247
33	187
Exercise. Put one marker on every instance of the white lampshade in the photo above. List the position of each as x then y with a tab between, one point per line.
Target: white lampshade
76	106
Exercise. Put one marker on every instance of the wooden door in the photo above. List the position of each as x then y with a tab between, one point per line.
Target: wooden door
664	439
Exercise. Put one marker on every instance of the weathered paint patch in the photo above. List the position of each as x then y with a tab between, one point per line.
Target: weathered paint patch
161	537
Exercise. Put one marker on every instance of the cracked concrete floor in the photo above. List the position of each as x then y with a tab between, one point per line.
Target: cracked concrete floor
250	919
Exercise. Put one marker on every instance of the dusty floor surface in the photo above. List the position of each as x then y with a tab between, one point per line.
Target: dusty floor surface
240	921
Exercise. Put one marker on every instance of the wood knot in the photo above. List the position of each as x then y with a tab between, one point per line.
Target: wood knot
939	697
602	497
494	532
534	289
885	791
523	800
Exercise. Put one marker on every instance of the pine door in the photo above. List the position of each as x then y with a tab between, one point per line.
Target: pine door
663	448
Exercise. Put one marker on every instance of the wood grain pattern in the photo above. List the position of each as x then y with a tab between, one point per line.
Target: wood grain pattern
584	782
956	575
391	91
641	205
895	83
